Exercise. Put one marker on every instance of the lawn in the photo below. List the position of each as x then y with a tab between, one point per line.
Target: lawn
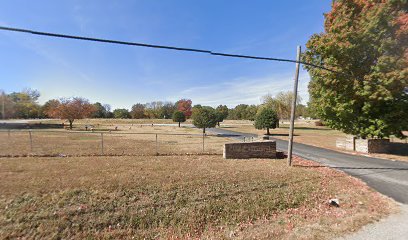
197	196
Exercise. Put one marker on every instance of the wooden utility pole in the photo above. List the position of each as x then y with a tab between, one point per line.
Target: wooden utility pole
3	112
294	100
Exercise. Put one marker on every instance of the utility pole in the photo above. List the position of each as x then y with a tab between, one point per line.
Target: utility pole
2	106
292	115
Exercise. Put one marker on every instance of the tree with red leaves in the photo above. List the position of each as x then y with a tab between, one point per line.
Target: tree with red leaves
71	109
185	106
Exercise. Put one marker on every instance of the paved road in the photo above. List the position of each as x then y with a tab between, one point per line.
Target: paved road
393	227
388	177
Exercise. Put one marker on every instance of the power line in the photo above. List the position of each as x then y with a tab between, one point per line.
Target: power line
159	46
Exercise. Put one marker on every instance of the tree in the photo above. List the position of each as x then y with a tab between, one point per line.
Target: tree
71	109
365	42
138	111
266	118
222	113
178	116
204	117
48	107
7	106
121	113
301	110
251	112
167	110
100	110
184	105
282	104
108	108
153	109
240	111
26	103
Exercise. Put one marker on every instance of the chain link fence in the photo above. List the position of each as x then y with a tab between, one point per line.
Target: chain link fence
85	143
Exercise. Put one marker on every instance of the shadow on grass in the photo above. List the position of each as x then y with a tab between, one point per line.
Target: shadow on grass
281	134
308	128
30	126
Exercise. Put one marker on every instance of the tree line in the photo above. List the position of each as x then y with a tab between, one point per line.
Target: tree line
25	105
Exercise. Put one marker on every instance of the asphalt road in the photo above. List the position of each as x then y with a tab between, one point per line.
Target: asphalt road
386	176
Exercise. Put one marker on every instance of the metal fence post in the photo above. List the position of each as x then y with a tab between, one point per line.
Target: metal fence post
31	141
102	143
203	141
157	146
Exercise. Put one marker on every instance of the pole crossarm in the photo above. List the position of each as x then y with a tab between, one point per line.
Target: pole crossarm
58	35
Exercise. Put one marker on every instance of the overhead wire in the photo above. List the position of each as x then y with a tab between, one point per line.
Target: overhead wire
58	35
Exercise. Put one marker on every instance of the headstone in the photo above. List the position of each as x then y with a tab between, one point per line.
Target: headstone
246	150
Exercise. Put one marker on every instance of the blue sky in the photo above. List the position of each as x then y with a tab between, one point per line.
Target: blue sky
124	75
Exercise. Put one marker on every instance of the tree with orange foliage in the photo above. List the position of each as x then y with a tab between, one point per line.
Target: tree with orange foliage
70	109
366	43
185	106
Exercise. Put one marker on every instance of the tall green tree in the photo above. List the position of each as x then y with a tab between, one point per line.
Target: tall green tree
121	113
178	116
26	103
204	117
266	118
222	113
100	111
167	110
365	42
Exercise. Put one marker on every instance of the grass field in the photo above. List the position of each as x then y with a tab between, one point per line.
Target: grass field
185	193
127	140
179	197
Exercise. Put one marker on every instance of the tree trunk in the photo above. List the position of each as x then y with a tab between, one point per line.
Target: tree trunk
277	124
267	131
179	124
203	130
218	124
70	123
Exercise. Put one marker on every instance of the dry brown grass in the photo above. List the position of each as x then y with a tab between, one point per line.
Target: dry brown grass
179	197
135	140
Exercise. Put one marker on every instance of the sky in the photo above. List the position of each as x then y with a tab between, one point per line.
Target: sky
124	75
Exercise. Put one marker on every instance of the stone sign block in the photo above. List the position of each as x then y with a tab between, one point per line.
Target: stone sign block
347	143
372	145
243	150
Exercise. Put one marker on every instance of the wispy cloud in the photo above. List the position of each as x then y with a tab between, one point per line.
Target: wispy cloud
245	90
